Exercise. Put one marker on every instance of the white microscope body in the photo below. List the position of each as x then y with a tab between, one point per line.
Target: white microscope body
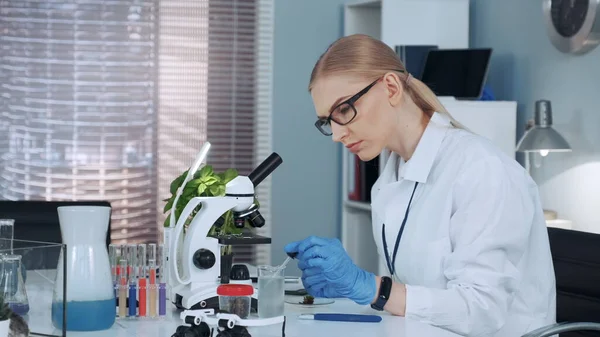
194	259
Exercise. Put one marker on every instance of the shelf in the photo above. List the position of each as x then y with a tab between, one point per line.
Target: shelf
358	205
365	4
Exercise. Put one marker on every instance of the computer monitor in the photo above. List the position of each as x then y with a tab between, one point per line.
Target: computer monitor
414	57
460	73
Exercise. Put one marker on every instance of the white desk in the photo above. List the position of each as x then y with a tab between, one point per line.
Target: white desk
390	325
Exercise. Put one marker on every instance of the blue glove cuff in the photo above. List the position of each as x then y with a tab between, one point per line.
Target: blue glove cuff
365	288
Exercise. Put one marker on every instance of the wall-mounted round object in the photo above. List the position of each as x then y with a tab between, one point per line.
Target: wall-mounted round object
573	25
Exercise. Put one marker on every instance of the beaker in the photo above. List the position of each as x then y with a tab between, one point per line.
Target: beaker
90	292
7	233
15	294
271	291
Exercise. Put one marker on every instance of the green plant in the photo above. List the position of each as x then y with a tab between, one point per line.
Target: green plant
5	311
205	183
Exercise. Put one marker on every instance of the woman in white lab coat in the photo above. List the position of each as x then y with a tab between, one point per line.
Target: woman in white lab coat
458	223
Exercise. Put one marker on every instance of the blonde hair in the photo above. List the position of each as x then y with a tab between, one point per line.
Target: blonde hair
363	56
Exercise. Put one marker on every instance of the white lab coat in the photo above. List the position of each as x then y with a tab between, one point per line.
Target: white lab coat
474	254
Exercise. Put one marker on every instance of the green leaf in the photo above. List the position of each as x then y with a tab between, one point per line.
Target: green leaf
167	221
229	175
168	205
201	188
207	170
177	182
193	184
189	191
215	190
210	180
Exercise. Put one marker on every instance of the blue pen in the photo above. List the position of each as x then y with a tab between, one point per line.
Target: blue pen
342	318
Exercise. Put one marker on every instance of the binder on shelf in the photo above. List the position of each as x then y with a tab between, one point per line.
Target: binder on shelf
361	177
354	173
369	174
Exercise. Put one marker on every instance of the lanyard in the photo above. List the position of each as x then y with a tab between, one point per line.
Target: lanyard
392	265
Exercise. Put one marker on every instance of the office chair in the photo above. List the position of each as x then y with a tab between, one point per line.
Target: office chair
37	220
576	258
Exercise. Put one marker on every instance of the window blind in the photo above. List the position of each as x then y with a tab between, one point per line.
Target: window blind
214	83
77	106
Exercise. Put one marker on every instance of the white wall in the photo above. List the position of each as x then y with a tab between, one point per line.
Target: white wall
526	68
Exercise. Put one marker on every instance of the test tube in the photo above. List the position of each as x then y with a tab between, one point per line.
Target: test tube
122	288
112	255
132	271
153	286
142	288
162	285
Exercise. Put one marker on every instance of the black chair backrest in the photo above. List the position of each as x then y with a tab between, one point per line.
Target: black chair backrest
37	220
576	257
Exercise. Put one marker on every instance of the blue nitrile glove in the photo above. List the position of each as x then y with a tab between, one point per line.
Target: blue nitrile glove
315	283
328	270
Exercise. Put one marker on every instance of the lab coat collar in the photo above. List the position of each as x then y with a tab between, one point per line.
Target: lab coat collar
419	166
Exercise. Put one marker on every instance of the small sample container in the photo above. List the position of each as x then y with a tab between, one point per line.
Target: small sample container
235	299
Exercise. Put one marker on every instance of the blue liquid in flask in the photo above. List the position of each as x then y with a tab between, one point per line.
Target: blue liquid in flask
85	315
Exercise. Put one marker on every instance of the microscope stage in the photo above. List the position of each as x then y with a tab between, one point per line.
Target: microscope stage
244	239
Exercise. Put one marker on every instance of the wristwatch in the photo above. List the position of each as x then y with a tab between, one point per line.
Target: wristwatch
385	288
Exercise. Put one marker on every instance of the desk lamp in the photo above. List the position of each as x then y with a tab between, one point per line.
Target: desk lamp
541	137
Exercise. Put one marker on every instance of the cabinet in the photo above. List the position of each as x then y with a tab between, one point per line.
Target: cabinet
400	22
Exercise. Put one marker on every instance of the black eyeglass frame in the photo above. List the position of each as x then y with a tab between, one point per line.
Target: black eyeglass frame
350	101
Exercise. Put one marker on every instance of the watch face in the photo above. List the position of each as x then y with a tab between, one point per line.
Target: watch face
568	16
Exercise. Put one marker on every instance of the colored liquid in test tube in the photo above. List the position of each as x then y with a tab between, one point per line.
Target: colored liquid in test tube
133	269
122	288
162	285
152	287
142	280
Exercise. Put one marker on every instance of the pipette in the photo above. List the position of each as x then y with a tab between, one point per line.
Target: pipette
142	287
287	260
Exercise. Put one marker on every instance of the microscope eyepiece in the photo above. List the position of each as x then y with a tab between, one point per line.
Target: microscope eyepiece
265	169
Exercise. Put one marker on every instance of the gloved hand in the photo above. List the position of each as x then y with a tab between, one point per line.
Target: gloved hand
328	271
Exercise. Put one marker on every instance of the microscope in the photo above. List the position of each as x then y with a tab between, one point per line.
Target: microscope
194	258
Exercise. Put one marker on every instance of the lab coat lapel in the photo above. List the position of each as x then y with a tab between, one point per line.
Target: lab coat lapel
381	192
394	190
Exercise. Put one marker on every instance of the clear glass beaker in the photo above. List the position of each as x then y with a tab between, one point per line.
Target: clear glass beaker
13	285
271	291
7	233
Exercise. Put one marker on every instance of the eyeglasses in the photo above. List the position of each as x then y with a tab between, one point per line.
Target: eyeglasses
343	113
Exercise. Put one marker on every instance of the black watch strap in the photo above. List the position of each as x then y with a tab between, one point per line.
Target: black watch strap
385	288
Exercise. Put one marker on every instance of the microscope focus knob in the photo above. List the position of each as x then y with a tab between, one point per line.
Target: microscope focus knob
204	259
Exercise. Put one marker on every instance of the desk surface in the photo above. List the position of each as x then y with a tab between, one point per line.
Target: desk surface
38	319
389	326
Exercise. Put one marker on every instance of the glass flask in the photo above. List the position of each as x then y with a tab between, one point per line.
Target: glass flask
90	294
7	230
15	294
7	236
